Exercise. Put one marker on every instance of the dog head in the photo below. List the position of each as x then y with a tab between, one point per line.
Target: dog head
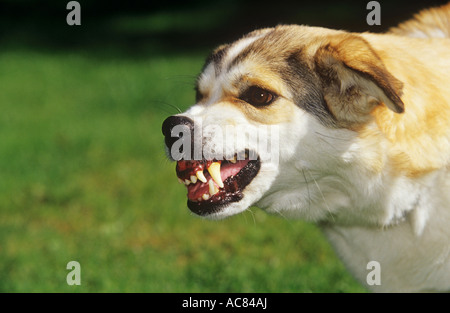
278	123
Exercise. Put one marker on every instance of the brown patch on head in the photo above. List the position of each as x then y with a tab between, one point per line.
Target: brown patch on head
279	111
355	80
277	58
216	58
276	113
340	82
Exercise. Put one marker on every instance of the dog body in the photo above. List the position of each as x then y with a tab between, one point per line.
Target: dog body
364	142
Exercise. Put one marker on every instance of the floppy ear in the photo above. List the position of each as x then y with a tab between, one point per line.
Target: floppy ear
355	79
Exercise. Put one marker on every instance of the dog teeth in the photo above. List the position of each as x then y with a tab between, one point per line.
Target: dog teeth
212	188
200	176
214	171
233	160
193	179
205	196
187	182
181	181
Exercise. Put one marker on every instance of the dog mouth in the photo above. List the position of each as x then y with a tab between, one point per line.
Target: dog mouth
213	184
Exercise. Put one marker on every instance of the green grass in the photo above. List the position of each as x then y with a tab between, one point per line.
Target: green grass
84	177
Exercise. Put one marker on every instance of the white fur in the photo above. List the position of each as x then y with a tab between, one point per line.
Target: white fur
433	33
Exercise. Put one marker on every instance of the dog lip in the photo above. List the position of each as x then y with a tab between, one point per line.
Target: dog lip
232	190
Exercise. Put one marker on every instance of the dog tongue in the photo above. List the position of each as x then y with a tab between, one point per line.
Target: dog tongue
227	170
231	169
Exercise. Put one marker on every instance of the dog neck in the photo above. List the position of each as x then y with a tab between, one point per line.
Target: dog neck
384	201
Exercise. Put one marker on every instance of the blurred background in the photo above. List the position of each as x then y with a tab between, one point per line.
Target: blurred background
83	174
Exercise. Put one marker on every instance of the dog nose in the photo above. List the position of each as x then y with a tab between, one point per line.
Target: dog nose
172	121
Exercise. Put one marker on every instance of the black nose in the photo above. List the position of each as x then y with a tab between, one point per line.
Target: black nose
172	121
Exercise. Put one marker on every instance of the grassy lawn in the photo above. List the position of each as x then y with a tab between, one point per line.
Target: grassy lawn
84	177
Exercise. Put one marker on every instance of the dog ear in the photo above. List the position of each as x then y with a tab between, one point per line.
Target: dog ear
355	79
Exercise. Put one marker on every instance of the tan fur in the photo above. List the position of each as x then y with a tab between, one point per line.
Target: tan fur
427	23
277	113
419	139
350	68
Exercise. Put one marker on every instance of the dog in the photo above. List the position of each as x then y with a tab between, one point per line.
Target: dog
361	125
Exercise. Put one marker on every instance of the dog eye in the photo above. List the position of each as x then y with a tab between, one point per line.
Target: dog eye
258	97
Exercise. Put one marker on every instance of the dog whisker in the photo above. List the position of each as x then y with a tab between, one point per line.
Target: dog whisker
162	105
307	188
252	214
328	143
332	137
321	193
286	218
185	80
180	76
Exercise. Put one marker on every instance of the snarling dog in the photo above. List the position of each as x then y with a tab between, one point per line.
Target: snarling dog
363	139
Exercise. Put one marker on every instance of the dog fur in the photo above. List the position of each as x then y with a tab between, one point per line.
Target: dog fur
364	123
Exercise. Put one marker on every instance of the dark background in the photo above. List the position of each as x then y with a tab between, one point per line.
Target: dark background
34	23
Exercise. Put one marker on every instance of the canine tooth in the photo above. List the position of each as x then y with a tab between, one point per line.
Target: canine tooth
214	171
180	181
212	188
187	182
233	160
201	176
205	196
193	179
